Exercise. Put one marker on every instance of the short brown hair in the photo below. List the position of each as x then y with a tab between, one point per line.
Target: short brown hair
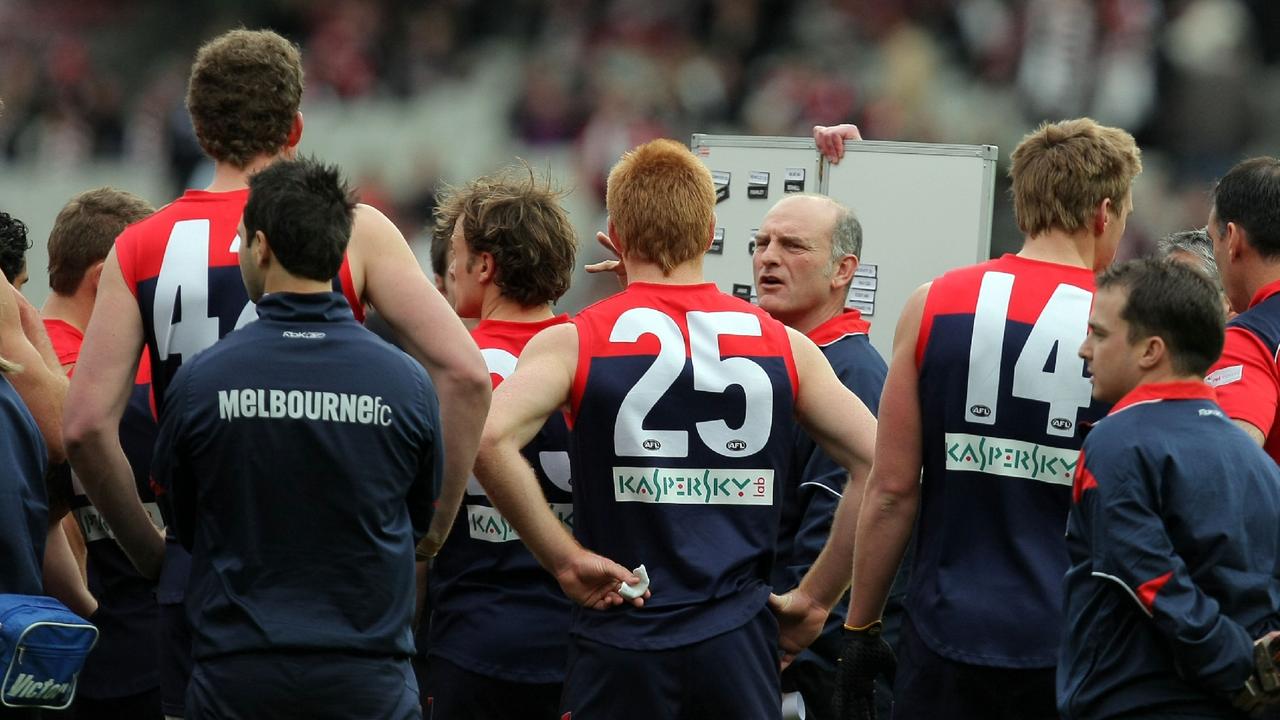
516	217
661	201
1063	170
445	217
85	230
243	94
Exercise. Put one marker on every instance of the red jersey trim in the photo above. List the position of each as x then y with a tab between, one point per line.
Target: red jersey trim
1084	481
349	289
849	322
1155	392
66	340
956	292
1265	292
1148	590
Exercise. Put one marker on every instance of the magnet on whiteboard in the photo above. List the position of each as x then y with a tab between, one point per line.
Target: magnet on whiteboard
758	185
721	180
793	180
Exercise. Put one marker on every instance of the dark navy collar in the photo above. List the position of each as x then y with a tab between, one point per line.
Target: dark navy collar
305	307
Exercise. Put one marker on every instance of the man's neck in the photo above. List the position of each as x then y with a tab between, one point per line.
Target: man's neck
689	273
73	310
228	177
1165	373
500	308
1055	246
819	315
1261	273
284	283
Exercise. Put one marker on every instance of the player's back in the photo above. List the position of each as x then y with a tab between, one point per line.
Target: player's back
495	610
1003	394
182	266
681	436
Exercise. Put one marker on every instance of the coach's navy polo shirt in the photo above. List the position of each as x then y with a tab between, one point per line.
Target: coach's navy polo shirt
303	457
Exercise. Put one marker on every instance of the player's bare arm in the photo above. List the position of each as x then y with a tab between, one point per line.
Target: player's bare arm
1252	431
42	389
893	491
62	576
540	386
846	430
99	393
387	274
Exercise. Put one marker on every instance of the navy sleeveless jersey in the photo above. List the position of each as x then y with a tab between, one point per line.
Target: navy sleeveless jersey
1247	376
1002	395
302	456
495	610
182	265
1175	558
125	660
682	413
24	503
817	481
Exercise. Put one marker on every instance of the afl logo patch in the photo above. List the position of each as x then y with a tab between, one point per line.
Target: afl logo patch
1061	423
736	445
651	444
980	411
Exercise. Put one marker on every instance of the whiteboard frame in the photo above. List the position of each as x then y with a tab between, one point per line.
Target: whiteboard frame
987	154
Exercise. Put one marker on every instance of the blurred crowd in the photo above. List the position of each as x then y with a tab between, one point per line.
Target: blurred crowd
1194	80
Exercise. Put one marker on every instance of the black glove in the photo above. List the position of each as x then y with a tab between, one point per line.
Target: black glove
864	657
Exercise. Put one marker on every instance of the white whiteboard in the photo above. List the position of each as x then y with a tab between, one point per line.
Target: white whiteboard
924	209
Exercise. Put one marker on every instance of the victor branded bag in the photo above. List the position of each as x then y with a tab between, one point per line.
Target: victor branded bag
43	646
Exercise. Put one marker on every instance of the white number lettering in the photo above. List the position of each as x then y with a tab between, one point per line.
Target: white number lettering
711	373
184	276
555	464
630	438
715	374
1058	332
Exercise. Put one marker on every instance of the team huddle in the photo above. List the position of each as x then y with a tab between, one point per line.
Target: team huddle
673	504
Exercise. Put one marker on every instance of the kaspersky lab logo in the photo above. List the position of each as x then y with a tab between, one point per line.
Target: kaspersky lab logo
686	486
27	687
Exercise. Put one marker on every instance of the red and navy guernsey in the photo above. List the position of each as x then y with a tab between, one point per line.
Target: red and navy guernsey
1002	395
495	611
1247	376
1175	559
682	413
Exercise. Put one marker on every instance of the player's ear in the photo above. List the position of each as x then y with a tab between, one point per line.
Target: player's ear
612	232
844	271
1235	237
488	268
1153	351
261	248
295	131
1101	216
93	276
